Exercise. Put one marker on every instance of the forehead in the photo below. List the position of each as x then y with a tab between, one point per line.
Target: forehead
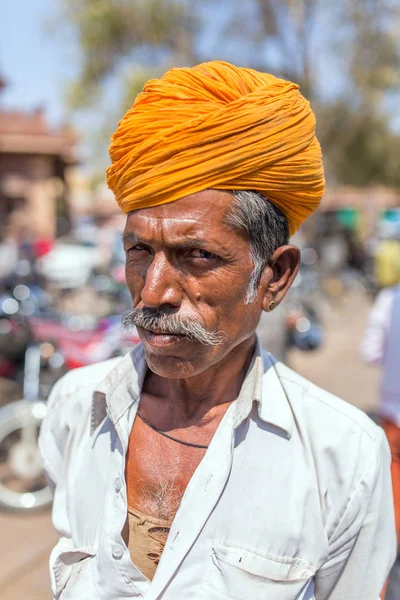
202	214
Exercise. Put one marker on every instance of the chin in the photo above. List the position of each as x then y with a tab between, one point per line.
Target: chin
176	367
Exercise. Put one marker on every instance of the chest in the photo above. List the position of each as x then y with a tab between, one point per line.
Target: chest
158	470
248	527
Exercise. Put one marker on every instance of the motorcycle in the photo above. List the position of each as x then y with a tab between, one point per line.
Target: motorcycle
305	330
50	347
22	483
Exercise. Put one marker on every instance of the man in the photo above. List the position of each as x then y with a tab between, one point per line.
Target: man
387	257
199	467
381	345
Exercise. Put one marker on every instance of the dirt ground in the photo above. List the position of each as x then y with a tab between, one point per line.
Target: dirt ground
26	541
337	366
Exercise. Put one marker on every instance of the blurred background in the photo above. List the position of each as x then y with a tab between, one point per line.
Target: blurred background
68	71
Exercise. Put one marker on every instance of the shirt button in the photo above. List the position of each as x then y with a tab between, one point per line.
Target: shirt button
117	551
118	484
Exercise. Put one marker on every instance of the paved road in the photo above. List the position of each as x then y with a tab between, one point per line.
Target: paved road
25	542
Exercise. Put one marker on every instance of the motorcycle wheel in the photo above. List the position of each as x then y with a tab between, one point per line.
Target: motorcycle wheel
23	486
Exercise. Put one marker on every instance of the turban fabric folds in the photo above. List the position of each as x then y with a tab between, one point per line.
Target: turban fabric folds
223	127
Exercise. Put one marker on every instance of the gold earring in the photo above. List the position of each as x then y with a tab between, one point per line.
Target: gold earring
271	305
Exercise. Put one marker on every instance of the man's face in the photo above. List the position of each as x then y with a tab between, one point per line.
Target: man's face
184	259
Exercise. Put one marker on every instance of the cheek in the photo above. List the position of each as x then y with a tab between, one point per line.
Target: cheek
134	280
228	290
225	301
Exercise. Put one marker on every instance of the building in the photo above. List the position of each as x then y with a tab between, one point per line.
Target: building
34	163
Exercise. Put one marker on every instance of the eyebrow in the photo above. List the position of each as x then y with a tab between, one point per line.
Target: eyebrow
131	237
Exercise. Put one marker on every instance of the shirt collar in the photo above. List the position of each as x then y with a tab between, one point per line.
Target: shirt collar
274	407
262	385
122	386
120	389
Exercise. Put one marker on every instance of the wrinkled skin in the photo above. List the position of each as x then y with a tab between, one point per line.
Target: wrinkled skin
185	257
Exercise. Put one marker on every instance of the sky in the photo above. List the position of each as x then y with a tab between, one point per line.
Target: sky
33	60
38	60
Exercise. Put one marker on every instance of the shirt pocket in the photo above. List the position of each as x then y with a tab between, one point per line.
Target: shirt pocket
237	574
71	572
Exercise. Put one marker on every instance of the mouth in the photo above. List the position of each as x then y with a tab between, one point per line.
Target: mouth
161	339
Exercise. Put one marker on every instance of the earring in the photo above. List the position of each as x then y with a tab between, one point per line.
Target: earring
271	305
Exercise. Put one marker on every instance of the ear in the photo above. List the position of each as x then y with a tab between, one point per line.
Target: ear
279	274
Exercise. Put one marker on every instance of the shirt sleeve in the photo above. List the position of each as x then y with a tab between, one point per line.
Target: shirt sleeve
373	343
53	439
362	547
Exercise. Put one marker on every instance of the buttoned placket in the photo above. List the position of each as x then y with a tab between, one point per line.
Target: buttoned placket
120	553
200	497
206	485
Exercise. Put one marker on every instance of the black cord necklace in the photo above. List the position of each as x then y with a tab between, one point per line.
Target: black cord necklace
170	437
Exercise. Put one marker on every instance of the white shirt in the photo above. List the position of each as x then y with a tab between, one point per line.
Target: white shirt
376	348
292	500
373	344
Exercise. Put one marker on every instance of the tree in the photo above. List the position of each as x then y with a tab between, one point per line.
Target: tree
147	32
360	147
356	42
355	127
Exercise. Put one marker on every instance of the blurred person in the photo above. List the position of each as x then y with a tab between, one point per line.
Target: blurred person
9	252
198	465
381	345
387	258
41	246
272	332
332	246
274	328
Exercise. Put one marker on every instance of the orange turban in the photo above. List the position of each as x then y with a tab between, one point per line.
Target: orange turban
223	127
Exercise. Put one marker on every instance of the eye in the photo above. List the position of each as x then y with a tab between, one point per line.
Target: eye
138	248
198	253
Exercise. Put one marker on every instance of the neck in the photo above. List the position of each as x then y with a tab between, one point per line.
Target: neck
192	398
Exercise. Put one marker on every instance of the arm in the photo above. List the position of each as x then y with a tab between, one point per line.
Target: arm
373	344
362	547
52	441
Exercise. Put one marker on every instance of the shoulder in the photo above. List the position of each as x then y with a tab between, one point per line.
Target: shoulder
309	399
70	402
342	440
83	380
69	408
346	451
71	399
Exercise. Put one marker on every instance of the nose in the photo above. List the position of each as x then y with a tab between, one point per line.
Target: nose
161	285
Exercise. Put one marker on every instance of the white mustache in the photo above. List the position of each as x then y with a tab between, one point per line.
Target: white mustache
161	321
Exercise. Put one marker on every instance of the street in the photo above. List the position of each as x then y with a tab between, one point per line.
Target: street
27	540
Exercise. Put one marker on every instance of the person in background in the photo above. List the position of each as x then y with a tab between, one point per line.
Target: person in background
274	328
8	253
387	257
272	332
381	345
